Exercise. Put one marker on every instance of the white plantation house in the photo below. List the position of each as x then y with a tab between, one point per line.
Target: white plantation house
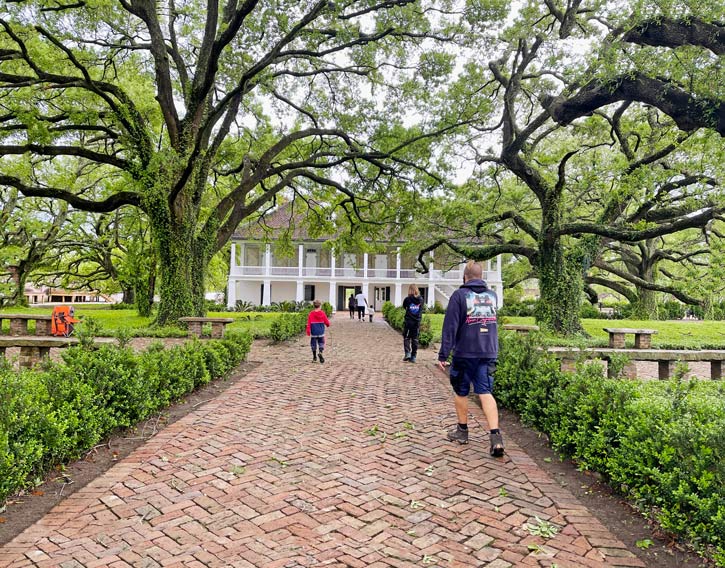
259	276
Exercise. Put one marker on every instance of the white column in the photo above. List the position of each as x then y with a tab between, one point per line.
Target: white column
333	252
300	259
398	290
300	291
431	294
267	293
365	266
231	292
430	267
267	260
397	267
365	289
333	292
233	259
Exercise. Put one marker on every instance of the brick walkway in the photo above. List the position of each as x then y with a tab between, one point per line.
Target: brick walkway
341	464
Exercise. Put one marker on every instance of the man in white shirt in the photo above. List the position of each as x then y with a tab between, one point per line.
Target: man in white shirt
362	303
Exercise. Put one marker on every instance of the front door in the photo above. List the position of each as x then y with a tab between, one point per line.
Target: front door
343	294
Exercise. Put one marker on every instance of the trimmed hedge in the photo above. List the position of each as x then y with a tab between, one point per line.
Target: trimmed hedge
661	443
287	326
56	414
396	316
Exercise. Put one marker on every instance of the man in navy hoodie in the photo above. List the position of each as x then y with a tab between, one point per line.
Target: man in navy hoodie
470	332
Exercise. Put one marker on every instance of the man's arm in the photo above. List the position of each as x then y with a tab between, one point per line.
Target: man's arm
450	328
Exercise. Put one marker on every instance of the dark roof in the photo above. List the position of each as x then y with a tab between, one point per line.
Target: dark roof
274	223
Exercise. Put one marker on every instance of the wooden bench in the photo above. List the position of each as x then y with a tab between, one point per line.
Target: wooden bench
217	326
33	349
19	323
642	337
666	359
520	328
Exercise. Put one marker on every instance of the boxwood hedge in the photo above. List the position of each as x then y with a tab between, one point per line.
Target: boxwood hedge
662	443
56	413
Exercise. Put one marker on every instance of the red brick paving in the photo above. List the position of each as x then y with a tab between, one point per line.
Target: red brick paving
302	464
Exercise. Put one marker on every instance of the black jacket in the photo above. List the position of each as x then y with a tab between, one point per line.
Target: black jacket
413	310
469	327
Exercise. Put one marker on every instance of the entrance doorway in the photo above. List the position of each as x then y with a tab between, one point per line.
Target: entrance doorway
343	293
381	294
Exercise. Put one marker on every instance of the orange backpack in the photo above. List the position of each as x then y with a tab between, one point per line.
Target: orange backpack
63	321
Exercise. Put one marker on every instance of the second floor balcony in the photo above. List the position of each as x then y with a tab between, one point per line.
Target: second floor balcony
258	262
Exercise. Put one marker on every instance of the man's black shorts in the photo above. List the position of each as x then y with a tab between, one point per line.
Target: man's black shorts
478	371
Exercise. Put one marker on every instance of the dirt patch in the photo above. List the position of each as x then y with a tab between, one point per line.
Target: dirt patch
627	524
28	507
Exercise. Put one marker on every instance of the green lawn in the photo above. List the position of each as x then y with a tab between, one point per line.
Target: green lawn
112	320
690	334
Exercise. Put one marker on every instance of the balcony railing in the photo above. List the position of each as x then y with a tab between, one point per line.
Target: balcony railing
327	272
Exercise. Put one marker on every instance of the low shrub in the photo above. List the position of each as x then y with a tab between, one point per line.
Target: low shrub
58	412
524	308
670	310
289	325
661	443
327	308
587	311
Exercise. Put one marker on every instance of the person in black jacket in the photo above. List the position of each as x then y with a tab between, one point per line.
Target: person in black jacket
352	306
470	333
413	305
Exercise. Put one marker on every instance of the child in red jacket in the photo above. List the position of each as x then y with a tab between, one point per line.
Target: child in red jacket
316	322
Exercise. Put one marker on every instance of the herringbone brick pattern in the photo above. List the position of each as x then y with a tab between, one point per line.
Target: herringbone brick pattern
302	464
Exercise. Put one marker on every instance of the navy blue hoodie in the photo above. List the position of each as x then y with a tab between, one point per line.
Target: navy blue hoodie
469	328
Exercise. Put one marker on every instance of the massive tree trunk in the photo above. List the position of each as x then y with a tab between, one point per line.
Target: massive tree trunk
645	307
560	288
560	273
129	295
183	252
179	272
19	277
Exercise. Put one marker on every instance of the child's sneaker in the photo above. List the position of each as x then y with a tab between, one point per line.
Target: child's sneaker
314	357
407	356
412	359
458	435
322	359
497	445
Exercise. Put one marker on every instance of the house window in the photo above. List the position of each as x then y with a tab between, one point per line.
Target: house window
309	292
252	255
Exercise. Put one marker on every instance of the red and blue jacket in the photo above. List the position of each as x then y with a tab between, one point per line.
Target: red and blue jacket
316	322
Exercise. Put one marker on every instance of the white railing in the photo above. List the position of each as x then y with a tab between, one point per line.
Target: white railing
247	270
284	270
453	276
382	273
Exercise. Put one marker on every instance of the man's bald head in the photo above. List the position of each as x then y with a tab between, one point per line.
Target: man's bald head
473	271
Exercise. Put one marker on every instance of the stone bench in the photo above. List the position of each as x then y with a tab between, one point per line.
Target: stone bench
33	349
520	328
642	337
19	323
217	326
666	359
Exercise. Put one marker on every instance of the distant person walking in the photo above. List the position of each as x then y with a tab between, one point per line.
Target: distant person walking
316	323
470	333
413	305
352	306
362	303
